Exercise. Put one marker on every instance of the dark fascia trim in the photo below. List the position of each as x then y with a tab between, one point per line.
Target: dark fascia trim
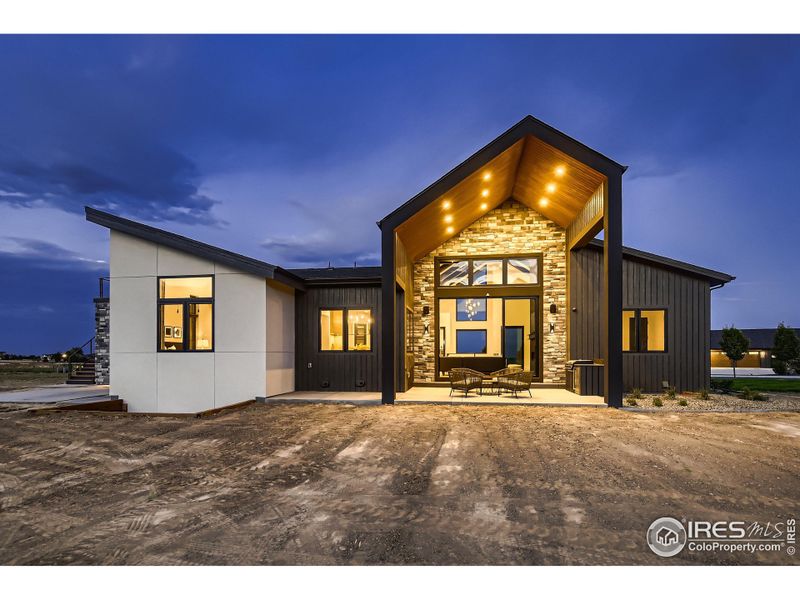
529	126
339	282
715	278
193	247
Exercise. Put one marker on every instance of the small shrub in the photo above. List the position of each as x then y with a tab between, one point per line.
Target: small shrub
631	401
748	394
658	403
704	394
779	367
684	402
671	392
722	386
636	393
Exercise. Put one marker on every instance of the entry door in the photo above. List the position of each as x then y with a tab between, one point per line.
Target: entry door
521	333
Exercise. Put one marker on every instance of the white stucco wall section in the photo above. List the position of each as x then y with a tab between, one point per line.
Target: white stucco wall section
185	382
280	328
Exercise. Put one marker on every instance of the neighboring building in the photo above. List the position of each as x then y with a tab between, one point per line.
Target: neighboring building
494	264
758	357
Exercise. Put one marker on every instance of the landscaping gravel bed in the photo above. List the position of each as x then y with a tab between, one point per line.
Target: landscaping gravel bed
775	402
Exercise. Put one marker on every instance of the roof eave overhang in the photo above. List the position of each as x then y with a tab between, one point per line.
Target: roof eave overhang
715	278
529	126
193	247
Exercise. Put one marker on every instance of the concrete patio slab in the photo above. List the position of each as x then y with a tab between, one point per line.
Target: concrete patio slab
54	393
441	395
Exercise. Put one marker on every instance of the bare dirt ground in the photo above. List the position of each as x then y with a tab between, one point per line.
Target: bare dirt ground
333	484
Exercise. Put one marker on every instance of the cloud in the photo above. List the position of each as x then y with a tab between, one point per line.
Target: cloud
46	301
143	180
41	254
318	248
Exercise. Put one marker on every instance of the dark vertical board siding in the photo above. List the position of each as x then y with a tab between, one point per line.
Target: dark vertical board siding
686	364
341	369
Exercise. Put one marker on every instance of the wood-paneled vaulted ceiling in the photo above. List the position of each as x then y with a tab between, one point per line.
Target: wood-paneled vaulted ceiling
521	172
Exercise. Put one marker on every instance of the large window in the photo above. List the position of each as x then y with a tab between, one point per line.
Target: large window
644	330
186	314
488	271
358	330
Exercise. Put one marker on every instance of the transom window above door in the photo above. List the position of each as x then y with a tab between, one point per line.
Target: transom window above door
507	270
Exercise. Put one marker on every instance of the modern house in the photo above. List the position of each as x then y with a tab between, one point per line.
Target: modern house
758	357
496	263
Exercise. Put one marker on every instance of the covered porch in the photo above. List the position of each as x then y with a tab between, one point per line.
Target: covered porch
441	395
475	269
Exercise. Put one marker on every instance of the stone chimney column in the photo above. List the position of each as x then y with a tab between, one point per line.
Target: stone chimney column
102	356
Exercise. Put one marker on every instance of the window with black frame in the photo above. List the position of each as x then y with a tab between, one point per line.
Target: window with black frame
507	270
644	330
345	330
186	314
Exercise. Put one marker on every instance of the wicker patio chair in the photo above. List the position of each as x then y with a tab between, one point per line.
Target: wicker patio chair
515	382
465	380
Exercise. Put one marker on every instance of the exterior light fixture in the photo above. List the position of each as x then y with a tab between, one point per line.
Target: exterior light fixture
446	204
484	206
485	193
448	218
543	201
449	229
560	170
550	187
487	176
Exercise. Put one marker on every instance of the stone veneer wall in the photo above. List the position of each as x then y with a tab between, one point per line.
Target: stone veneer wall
101	340
511	228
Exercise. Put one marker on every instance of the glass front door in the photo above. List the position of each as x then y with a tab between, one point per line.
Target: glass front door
520	337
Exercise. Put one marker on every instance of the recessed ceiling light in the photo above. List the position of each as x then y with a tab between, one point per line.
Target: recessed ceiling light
484	206
560	170
446	204
543	201
487	176
449	230
550	187
485	193
448	218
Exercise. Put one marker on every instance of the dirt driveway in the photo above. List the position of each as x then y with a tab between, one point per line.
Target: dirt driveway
323	484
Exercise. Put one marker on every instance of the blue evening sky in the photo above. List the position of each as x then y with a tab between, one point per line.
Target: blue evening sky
290	148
